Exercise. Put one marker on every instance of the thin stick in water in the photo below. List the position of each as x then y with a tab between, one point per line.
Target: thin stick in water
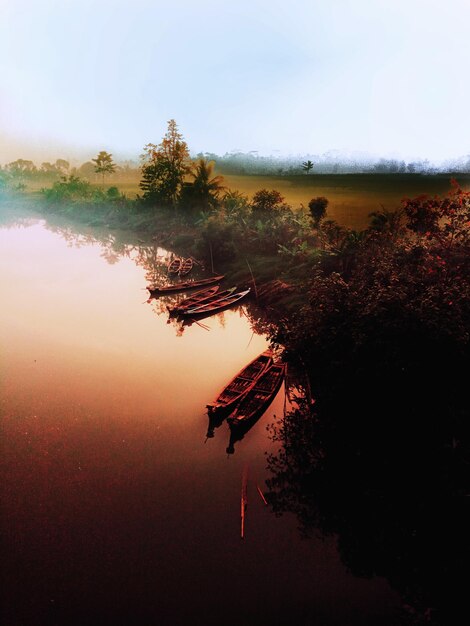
262	495
212	260
201	325
252	335
253	278
243	502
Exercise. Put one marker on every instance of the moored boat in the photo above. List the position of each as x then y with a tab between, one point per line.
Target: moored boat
258	398
186	266
174	266
184	286
241	383
204	298
214	306
196	298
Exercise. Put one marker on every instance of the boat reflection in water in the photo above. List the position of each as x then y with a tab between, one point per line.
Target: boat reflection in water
215	421
156	292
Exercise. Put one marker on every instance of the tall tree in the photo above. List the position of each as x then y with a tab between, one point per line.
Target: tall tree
164	167
307	166
104	164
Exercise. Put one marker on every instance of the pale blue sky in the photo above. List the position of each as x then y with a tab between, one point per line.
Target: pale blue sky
390	77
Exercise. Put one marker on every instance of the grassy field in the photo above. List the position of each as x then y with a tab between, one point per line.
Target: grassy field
352	196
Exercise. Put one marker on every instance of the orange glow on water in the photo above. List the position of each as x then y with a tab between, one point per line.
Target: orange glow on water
111	499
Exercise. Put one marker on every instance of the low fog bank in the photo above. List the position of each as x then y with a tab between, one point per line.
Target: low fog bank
252	163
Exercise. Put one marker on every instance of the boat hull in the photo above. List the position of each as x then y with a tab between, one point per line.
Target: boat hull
257	400
241	384
216	306
174	266
200	296
156	292
186	267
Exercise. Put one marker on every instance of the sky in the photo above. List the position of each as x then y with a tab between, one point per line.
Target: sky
384	77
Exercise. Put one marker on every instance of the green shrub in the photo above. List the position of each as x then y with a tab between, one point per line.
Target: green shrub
218	239
67	189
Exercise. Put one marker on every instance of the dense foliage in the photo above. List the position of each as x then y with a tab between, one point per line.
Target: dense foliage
386	347
164	167
203	192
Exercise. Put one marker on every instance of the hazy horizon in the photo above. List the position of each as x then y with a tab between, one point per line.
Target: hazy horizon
38	153
378	77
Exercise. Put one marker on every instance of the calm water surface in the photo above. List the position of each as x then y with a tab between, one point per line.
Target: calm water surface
114	507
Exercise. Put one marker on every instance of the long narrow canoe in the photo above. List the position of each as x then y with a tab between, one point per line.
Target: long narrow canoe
197	298
216	305
186	266
203	300
258	398
185	286
174	266
241	383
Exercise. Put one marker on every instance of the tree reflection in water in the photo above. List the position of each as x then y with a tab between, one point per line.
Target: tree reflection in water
379	460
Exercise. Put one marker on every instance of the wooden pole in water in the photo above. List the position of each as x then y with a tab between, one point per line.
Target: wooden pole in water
262	495
243	503
253	278
212	259
307	382
243	507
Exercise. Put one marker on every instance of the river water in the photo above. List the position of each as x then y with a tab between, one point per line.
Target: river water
115	507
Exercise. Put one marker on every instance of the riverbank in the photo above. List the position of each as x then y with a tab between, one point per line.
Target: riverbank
352	196
218	245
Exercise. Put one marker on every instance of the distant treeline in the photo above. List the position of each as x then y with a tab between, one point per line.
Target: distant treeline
239	163
24	168
328	163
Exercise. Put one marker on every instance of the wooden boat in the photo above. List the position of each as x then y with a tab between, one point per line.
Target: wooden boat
194	301
184	286
186	266
215	305
197	298
258	398
174	266
241	383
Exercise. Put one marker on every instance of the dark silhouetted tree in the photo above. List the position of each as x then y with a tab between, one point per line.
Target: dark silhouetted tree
203	192
265	201
307	166
317	208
